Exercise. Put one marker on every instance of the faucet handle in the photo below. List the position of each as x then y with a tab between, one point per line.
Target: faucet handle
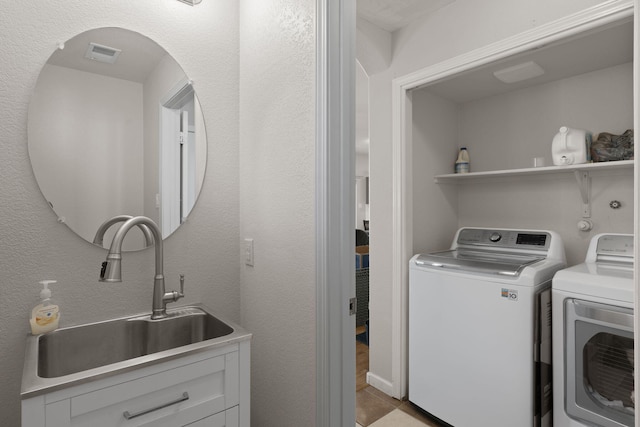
173	296
103	269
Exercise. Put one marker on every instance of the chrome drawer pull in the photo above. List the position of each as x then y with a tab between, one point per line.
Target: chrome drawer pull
128	415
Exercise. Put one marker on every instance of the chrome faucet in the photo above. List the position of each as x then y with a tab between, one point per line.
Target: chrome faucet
111	269
98	239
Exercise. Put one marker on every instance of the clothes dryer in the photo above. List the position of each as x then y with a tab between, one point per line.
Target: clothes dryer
593	337
479	328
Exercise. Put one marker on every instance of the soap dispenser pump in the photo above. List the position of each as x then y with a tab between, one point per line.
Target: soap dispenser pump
45	316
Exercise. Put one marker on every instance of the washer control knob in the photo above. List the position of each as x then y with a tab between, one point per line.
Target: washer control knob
495	237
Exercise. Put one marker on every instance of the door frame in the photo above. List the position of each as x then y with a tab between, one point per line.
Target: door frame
402	221
169	159
636	195
335	212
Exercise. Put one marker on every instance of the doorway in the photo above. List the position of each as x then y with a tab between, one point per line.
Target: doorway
180	143
362	235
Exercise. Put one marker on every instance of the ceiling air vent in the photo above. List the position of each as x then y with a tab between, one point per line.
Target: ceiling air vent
101	53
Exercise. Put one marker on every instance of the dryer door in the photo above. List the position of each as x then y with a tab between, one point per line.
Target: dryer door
599	363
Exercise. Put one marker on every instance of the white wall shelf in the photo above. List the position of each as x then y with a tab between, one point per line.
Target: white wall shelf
585	167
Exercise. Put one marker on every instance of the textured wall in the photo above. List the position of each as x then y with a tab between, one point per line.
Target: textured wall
277	151
34	246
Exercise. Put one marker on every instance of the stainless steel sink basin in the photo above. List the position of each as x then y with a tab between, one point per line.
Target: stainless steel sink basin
71	350
81	353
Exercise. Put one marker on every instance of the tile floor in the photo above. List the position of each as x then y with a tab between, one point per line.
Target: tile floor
376	409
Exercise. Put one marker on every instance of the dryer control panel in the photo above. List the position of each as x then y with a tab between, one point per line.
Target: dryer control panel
615	245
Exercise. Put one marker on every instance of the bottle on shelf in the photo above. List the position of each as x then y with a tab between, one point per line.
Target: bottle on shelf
462	163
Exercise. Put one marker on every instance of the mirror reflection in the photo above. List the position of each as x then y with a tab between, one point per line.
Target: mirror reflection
115	129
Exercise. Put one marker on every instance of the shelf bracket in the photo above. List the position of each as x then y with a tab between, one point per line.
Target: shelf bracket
584	185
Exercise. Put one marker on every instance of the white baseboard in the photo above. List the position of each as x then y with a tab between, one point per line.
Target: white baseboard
381	384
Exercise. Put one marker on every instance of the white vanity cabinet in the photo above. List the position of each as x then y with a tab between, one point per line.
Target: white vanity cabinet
209	388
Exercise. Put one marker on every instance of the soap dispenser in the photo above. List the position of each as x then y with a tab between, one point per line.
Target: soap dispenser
45	316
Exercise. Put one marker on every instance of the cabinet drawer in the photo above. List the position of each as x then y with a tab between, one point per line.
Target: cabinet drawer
176	397
229	418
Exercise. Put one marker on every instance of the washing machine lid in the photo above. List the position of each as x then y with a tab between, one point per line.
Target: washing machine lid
486	262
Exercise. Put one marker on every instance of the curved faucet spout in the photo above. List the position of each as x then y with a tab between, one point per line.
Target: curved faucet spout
99	237
111	269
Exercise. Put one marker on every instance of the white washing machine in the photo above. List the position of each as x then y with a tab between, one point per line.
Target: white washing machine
593	337
479	328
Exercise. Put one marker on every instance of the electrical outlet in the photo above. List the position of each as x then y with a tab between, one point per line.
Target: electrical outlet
248	252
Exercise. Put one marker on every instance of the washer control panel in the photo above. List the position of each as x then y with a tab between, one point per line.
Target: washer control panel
507	239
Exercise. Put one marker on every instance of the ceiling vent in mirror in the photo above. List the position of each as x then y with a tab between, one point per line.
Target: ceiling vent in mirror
520	72
101	53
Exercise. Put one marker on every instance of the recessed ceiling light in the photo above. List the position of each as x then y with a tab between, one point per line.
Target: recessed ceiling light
518	73
191	2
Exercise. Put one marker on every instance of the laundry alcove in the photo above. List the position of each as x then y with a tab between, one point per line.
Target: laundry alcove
587	83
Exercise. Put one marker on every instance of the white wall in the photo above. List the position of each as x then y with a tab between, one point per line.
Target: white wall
435	139
204	40
362	175
82	127
551	202
277	187
362	144
362	164
457	28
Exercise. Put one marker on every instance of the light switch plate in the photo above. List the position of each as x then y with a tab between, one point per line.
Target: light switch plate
248	252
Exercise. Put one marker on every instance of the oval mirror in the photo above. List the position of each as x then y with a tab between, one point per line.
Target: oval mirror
115	129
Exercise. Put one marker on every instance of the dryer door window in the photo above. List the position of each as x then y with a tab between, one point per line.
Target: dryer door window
599	363
607	362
